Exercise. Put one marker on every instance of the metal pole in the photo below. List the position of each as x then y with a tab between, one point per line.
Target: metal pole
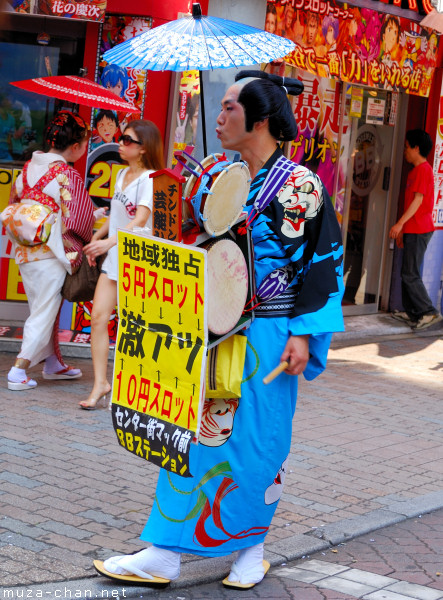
202	101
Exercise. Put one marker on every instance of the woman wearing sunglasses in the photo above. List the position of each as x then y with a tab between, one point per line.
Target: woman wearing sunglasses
141	147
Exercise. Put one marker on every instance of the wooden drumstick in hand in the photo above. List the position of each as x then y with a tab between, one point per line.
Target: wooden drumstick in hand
275	372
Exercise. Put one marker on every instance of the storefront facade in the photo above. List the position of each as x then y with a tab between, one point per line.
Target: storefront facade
53	37
369	77
352	120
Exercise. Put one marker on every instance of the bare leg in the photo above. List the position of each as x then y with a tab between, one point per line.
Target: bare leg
105	299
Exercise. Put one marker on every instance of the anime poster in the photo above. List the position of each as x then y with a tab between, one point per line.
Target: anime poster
356	45
103	161
437	214
317	144
160	353
91	10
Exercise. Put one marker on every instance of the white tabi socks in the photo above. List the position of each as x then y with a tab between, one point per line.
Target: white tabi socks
153	561
248	568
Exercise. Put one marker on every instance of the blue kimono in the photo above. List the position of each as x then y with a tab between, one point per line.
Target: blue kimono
239	464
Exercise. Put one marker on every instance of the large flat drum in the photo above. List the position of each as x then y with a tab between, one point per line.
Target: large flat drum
227	285
224	204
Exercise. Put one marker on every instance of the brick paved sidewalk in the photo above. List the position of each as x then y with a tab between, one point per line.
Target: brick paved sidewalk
367	450
400	562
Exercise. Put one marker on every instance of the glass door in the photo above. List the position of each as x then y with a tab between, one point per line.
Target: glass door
366	199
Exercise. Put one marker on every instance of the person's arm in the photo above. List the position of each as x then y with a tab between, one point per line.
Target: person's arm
141	217
102	232
100	246
396	229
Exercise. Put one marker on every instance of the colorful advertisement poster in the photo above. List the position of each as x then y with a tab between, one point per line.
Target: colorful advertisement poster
356	45
11	286
90	10
437	213
103	162
317	144
160	353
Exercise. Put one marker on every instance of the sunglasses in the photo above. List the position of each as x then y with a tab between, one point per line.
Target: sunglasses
126	140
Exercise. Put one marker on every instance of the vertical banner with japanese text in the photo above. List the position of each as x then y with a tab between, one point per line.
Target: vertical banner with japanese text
437	213
317	145
160	354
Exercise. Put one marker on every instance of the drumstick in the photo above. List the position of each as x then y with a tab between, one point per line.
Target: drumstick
275	372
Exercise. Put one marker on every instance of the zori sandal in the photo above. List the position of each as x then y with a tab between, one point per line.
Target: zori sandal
141	579
26	384
66	373
236	585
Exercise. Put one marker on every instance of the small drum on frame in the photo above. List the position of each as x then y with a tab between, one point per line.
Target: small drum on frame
227	285
217	193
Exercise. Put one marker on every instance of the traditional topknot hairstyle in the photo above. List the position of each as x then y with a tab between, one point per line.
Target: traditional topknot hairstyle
66	128
265	97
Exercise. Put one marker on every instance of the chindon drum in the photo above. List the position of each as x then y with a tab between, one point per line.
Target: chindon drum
227	285
217	193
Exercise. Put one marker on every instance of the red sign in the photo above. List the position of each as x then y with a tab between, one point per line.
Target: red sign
90	10
356	45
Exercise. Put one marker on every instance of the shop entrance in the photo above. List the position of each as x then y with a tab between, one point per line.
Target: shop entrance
367	198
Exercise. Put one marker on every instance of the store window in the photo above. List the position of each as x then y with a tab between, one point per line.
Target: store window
33	47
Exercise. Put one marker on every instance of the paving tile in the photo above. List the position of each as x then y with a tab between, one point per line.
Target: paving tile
345	586
21	541
67	530
19	480
298	574
415	591
323	568
386	595
366	578
105	518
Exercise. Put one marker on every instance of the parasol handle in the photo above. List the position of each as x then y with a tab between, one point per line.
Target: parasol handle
187	167
190	157
275	372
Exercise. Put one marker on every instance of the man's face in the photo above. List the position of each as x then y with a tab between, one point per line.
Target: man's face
231	129
410	153
312	30
289	16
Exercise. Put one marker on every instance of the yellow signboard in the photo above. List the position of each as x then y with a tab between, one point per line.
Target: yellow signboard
161	346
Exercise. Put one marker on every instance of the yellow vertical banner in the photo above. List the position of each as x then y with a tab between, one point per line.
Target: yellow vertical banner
160	352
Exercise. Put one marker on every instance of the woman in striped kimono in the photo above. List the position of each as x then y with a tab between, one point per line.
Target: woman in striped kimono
237	480
48	179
